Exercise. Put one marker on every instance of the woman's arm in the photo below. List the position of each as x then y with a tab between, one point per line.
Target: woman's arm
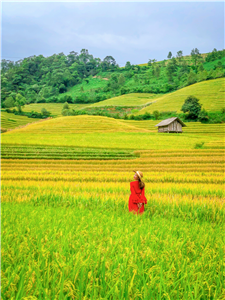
136	196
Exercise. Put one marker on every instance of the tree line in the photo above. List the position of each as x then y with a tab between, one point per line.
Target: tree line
40	79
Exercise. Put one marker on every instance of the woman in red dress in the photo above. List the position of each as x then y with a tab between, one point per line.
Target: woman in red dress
137	198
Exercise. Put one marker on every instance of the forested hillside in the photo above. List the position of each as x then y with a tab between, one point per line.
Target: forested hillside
81	78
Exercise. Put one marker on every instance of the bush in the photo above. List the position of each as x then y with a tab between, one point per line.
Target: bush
199	145
52	100
156	114
146	116
41	100
203	116
45	112
9	102
65	106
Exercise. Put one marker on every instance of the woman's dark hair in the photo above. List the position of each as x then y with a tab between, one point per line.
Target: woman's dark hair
141	183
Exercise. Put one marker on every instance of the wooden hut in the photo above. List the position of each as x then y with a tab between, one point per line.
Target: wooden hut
171	125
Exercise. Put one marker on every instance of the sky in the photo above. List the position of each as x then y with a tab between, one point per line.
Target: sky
128	31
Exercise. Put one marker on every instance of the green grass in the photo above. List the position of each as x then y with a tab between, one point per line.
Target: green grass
134	99
54	108
93	83
210	93
213	64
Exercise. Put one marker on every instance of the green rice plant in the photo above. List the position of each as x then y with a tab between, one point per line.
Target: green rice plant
65	254
66	230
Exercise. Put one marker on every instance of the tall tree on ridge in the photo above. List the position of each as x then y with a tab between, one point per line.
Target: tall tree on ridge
179	55
195	55
169	55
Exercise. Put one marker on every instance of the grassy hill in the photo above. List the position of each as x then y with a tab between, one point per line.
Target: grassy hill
108	133
210	93
133	99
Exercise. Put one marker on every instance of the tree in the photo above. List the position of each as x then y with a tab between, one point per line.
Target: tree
121	80
219	65
128	65
136	78
20	102
200	67
203	116
66	105
156	114
62	88
171	69
195	55
202	76
45	112
180	55
169	55
113	83
150	62
192	107
85	56
109	61
192	77
157	71
9	102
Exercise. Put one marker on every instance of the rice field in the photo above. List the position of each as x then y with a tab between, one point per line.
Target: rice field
54	108
133	99
66	230
102	132
10	121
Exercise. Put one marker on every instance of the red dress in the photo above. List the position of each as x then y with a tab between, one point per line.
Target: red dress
137	196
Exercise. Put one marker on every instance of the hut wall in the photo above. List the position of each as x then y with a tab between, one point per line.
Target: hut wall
179	127
172	127
175	126
163	129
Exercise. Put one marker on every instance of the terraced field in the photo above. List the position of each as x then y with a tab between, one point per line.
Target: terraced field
54	108
73	237
108	133
134	99
51	152
66	230
10	121
210	93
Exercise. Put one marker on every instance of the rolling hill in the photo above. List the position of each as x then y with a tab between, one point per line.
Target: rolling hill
133	99
108	133
211	94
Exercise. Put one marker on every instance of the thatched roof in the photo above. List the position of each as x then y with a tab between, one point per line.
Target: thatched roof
170	120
